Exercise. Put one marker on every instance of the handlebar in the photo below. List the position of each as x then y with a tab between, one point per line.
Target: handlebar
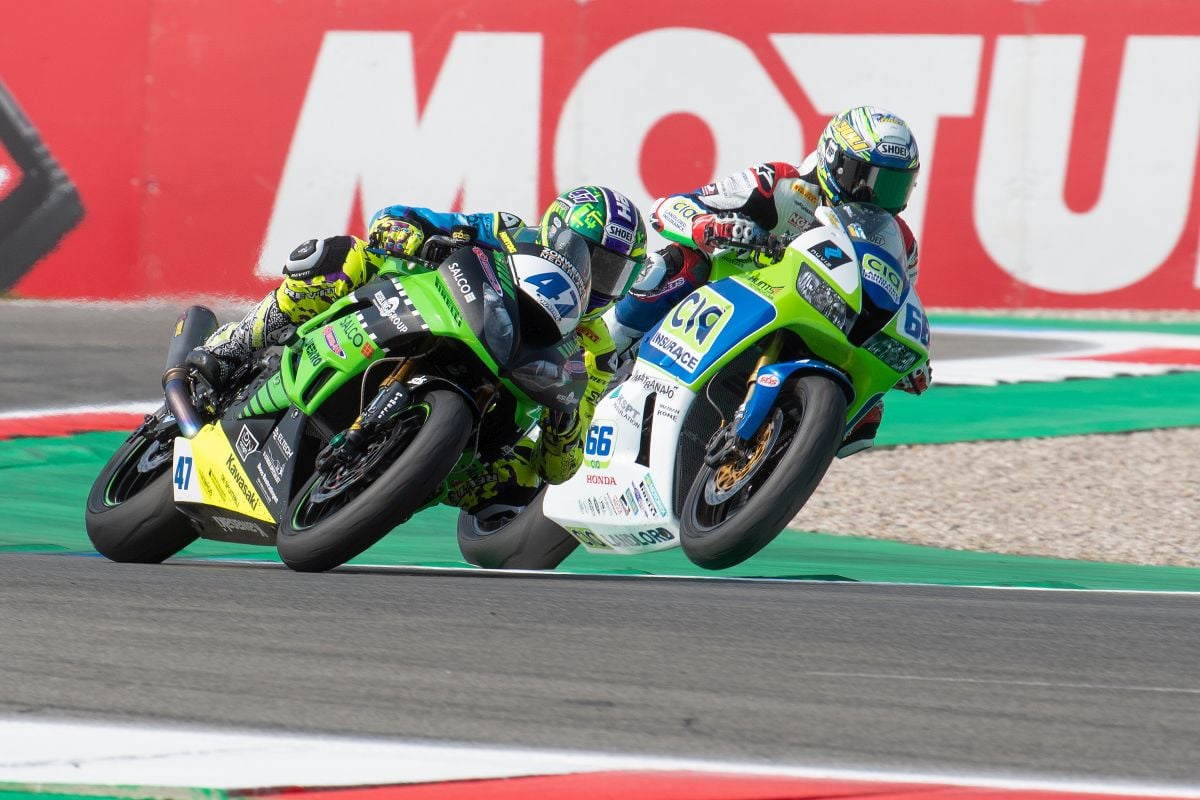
768	245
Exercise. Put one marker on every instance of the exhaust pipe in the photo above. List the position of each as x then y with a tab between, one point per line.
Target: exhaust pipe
194	326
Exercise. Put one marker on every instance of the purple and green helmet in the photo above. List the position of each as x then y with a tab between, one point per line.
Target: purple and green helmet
616	236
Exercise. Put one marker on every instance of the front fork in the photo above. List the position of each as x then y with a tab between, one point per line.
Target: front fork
392	396
726	440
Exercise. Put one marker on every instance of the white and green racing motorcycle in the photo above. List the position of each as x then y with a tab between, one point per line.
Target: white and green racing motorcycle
735	406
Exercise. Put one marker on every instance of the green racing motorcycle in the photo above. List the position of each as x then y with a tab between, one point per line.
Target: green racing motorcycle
366	415
736	404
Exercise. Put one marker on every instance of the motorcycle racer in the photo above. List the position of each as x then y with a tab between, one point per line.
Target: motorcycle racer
864	154
321	271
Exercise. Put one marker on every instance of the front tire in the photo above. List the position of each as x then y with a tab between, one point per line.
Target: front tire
314	539
527	541
131	515
729	517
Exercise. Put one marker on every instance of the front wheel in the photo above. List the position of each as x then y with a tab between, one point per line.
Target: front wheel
131	514
345	508
526	541
736	509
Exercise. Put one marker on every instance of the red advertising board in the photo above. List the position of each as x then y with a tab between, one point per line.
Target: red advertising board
1059	139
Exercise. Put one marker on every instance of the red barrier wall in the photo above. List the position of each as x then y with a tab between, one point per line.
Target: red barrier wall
1059	139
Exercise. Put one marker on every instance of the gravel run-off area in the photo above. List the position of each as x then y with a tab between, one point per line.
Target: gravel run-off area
1125	497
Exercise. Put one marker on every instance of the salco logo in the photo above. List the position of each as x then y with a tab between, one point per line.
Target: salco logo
461	281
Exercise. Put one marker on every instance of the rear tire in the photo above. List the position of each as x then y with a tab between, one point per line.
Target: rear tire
527	541
131	515
392	497
720	535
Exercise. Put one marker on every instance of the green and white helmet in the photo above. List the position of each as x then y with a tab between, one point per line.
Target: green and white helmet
616	236
868	155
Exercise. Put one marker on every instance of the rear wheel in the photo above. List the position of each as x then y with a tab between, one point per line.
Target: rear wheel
131	514
736	509
527	540
346	507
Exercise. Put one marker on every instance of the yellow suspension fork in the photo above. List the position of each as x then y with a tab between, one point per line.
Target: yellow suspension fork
724	442
391	392
770	356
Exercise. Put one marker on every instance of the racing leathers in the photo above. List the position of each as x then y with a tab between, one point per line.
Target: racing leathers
775	198
321	271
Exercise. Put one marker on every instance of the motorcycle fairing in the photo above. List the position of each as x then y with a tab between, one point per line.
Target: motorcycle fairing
616	503
207	489
207	471
386	315
704	327
770	380
474	282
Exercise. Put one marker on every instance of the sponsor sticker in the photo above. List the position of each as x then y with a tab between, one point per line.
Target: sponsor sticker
231	525
387	307
463	284
829	254
893	149
882	274
246	443
611	540
652	490
768	380
331	340
689	330
284	448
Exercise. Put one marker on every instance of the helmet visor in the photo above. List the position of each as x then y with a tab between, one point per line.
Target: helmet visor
612	273
886	187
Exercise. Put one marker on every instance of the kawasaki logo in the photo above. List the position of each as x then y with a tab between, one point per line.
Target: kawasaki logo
247	493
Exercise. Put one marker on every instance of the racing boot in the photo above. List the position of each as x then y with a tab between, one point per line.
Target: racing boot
862	435
500	488
211	368
561	447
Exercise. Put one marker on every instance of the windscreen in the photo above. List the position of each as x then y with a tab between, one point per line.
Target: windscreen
872	224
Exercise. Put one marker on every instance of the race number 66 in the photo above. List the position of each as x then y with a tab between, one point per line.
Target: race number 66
599	441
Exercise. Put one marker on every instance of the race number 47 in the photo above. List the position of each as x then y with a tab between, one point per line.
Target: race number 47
183	473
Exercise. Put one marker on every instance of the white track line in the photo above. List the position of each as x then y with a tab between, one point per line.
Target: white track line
243	561
135	407
110	754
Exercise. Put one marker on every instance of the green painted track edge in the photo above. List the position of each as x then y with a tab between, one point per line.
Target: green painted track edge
68	791
50	520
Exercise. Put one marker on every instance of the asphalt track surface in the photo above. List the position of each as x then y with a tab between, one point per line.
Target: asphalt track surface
886	677
1057	684
63	354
